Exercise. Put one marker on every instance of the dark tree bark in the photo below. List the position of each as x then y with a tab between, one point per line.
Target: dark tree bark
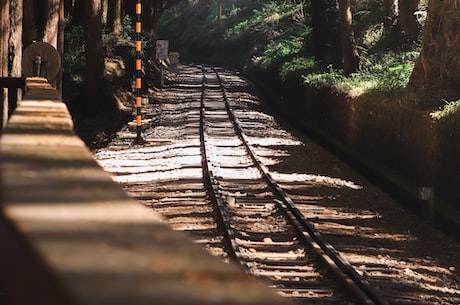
114	16
408	25
51	22
104	11
4	29
60	41
149	16
438	66
325	30
320	30
78	14
390	10
93	48
29	25
15	38
350	55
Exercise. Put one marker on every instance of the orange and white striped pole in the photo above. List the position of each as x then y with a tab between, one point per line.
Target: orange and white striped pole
139	139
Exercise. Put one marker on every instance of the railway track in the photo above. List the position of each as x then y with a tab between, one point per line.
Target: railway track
200	171
292	254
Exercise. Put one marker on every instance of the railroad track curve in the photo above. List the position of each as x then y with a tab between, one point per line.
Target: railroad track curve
293	254
198	171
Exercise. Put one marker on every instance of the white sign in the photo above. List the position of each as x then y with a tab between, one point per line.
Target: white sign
162	49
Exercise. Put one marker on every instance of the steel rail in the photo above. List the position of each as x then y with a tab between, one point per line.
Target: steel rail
343	270
212	186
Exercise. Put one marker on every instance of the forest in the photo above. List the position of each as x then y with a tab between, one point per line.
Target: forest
349	43
355	45
407	49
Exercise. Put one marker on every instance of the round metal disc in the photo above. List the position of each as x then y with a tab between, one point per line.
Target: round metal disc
41	58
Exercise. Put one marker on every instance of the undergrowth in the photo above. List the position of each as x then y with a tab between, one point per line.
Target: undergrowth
96	126
385	71
276	37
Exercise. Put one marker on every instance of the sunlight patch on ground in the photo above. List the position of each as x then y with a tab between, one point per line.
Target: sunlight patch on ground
271	141
149	165
422	274
186	173
337	182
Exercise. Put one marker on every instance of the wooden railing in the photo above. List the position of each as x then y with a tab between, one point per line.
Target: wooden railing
70	235
12	90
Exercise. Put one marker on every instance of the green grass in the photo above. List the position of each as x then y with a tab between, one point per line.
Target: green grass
387	71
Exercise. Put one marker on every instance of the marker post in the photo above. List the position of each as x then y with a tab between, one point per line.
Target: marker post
139	140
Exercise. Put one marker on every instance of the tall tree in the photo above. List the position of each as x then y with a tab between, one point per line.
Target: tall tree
15	38
4	30
325	37
320	30
350	55
93	48
51	22
104	11
149	16
114	16
78	13
60	41
408	25
390	11
29	24
439	63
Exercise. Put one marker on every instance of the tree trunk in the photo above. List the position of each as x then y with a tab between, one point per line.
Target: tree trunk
350	55
409	27
29	25
93	48
4	29
149	16
78	16
60	42
50	31
15	38
323	19
438	66
104	11
114	17
390	10
320	29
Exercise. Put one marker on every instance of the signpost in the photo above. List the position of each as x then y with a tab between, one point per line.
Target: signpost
162	54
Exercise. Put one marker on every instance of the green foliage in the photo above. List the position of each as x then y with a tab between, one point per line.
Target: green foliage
74	55
388	71
276	36
188	26
281	48
298	65
450	110
265	16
